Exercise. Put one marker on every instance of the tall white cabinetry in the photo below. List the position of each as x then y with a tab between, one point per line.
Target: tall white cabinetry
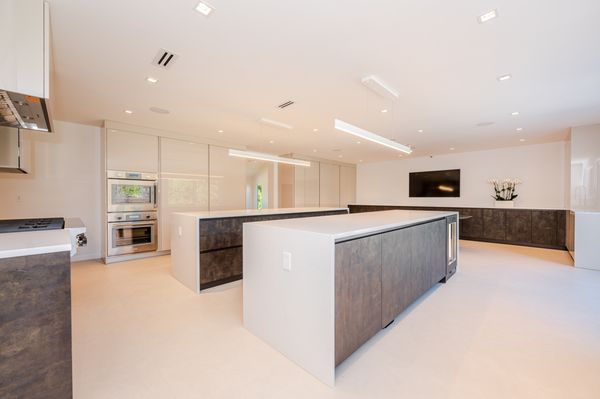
25	47
329	185
306	185
347	185
227	180
183	184
130	151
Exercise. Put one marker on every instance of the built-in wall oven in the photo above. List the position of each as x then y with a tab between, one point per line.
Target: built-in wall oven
132	232
131	191
132	216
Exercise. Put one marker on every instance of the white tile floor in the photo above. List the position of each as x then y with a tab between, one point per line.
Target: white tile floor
514	322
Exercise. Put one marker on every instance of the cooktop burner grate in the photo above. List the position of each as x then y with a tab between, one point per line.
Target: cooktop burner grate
23	225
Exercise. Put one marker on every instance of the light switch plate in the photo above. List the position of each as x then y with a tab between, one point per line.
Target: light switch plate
287	261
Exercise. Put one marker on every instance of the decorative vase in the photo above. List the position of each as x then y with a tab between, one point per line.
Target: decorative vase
505	204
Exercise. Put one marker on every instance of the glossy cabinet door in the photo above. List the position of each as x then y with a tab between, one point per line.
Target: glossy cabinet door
329	185
347	185
183	184
131	151
25	47
227	180
306	185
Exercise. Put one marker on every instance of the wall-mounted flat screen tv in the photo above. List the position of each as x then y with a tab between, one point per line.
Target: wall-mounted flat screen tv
438	183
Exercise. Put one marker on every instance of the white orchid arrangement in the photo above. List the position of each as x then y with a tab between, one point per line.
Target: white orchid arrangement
506	189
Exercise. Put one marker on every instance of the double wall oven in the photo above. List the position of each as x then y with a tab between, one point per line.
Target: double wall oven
132	216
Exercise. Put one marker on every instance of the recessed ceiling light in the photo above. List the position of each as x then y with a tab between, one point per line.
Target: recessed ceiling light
272	141
488	16
360	160
150	79
383	111
516	113
314	150
315	130
519	129
502	78
399	155
521	140
420	130
340	156
358	142
220	131
204	8
128	111
452	148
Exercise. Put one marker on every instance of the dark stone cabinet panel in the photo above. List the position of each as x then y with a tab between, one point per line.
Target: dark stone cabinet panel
413	260
35	326
357	294
544	227
220	266
473	226
494	224
518	225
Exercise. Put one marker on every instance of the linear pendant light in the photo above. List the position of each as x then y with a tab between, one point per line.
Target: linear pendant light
365	134
267	157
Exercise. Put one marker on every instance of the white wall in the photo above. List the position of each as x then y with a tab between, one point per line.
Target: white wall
541	167
64	181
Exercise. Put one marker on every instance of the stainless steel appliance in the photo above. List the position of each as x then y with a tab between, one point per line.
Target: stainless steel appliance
23	111
131	191
131	232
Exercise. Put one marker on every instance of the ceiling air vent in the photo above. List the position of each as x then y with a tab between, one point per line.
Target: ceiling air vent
285	104
164	58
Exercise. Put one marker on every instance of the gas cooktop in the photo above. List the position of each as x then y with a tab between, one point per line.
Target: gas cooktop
23	225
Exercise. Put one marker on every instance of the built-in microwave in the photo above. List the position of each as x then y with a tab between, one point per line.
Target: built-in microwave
131	191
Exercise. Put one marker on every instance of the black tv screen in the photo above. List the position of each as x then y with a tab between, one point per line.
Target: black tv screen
438	183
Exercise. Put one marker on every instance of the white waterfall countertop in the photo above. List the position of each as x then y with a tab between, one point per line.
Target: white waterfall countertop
343	227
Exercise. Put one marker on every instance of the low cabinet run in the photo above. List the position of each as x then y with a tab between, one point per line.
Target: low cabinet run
378	277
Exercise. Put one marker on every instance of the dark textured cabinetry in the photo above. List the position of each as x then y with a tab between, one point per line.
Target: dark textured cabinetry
357	294
35	326
221	240
378	277
530	227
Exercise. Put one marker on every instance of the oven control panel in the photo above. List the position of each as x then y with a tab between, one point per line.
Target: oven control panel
131	216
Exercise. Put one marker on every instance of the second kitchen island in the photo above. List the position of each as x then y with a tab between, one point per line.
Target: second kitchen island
317	289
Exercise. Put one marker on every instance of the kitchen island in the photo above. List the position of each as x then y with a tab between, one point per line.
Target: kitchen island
206	247
317	289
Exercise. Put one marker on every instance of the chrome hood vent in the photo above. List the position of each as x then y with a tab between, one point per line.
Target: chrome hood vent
24	112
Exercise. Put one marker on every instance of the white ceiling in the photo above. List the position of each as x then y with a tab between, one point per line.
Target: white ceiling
237	65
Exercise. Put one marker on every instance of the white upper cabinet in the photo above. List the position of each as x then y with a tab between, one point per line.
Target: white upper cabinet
183	185
227	180
25	47
347	185
329	185
131	151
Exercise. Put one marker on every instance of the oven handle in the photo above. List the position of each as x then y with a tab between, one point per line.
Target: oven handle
141	223
155	193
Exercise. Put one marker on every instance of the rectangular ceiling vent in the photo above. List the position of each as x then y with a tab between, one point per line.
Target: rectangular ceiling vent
164	58
285	104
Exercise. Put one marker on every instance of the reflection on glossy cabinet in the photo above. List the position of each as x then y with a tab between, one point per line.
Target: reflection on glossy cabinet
183	185
306	185
329	185
227	180
131	151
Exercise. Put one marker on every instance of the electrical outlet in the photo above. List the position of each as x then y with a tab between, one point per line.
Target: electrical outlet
287	261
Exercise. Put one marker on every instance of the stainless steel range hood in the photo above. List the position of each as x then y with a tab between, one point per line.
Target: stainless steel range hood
14	151
24	112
